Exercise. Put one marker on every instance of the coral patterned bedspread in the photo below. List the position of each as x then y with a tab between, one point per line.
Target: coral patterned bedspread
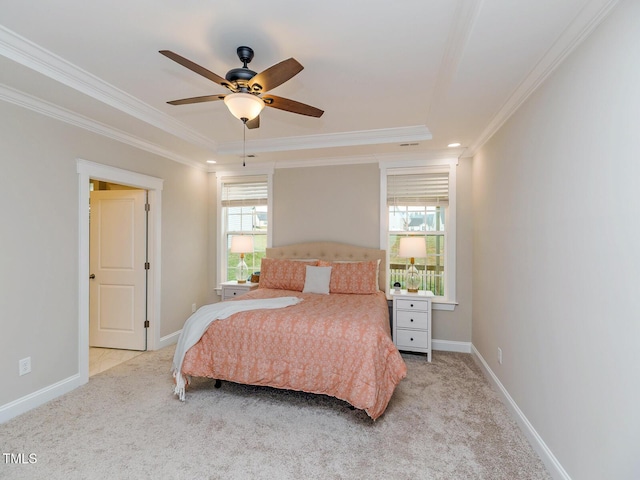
337	345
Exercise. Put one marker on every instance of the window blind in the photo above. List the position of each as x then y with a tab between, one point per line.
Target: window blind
243	191
418	189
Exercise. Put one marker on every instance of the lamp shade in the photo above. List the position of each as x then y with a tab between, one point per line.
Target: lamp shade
411	247
244	105
241	244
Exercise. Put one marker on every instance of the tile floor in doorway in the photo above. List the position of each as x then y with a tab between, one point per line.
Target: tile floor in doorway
101	359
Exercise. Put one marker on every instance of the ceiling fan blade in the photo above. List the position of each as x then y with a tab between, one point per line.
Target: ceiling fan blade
291	106
205	98
255	123
275	75
194	67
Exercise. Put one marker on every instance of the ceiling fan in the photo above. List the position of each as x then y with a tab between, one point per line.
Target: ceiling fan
248	88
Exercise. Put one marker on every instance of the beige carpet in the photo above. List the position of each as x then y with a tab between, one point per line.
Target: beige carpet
444	422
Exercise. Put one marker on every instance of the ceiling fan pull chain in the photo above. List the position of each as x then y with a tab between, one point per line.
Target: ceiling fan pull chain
244	141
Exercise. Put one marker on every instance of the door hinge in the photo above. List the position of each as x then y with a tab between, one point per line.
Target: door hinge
147	265
146	324
147	207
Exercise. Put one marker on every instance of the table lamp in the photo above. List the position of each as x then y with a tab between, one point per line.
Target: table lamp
242	244
412	247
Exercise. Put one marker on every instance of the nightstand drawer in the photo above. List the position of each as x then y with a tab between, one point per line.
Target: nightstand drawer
406	319
233	292
413	339
233	289
410	304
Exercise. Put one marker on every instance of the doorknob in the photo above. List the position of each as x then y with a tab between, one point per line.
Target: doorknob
92	276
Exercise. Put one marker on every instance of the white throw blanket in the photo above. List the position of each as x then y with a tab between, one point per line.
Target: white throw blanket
197	324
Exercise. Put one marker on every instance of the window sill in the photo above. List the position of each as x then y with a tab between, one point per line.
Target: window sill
443	305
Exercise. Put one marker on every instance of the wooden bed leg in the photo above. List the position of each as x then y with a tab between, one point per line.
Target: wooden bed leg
218	383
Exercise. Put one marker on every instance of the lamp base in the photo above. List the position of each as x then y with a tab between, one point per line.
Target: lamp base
412	279
242	271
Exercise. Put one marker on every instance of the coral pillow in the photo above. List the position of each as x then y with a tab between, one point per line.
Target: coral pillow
283	274
353	277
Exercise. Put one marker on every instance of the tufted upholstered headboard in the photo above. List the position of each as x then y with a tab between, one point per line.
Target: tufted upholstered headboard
332	252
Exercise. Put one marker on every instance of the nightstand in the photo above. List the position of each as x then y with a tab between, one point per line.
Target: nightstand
412	321
233	289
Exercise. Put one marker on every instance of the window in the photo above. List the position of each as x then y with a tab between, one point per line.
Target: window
418	201
243	210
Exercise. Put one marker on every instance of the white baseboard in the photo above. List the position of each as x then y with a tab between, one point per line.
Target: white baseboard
170	339
35	399
550	461
42	396
451	346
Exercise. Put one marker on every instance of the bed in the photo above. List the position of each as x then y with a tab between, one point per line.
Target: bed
335	341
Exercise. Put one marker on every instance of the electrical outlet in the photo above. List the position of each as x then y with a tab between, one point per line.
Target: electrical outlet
499	355
24	366
193	308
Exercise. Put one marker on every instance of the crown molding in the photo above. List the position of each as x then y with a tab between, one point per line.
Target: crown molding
449	156
31	55
326	161
43	107
589	17
347	139
34	57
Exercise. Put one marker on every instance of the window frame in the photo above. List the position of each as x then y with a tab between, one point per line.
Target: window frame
221	233
448	301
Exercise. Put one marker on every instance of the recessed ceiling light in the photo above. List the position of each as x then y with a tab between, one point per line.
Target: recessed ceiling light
454	145
211	161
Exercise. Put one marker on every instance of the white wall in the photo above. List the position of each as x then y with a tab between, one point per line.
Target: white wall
339	203
556	254
39	243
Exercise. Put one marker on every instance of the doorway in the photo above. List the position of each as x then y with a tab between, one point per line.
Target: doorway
117	282
102	359
89	170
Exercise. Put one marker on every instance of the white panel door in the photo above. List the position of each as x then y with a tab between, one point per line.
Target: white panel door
117	281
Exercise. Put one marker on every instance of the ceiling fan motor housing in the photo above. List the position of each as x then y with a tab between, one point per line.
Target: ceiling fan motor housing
240	74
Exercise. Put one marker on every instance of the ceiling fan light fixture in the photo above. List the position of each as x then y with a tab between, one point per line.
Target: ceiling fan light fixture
244	105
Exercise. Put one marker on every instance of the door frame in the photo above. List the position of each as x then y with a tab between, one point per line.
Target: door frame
90	170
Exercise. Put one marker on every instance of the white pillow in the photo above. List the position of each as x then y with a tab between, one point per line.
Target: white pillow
317	280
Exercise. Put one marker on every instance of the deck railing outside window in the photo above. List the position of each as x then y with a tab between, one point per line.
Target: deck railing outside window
431	275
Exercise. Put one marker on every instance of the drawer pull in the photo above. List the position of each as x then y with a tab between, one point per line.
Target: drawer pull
412	339
234	293
411	320
412	305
